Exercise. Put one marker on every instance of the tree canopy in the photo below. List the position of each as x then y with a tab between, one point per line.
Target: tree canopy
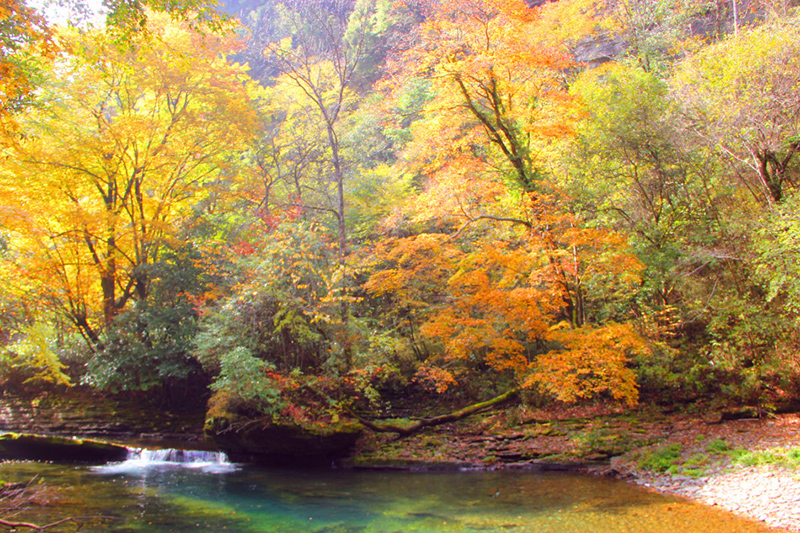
454	201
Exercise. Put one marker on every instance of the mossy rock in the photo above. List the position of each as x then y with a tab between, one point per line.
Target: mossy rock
16	446
247	436
266	441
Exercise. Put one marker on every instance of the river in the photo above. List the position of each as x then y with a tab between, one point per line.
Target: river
159	492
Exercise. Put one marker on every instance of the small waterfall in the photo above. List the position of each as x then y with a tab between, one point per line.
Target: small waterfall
172	455
142	460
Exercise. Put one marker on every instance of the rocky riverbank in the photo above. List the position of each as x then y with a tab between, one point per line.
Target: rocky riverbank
768	494
748	466
84	414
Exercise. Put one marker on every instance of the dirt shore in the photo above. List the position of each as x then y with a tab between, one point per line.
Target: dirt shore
748	466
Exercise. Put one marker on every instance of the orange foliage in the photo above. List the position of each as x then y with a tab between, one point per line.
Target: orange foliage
434	378
492	311
588	362
491	78
512	260
505	299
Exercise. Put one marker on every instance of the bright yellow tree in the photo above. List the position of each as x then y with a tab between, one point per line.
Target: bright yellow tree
126	144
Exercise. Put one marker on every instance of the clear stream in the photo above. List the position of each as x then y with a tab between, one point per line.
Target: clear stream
179	491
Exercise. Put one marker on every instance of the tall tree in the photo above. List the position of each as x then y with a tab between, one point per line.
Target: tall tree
320	59
319	63
486	62
524	265
129	142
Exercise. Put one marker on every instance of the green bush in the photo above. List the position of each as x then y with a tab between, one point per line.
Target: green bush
149	345
247	379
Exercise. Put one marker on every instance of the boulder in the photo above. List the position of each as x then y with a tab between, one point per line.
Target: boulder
270	442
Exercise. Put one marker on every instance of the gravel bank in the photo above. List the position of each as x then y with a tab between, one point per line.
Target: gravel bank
768	493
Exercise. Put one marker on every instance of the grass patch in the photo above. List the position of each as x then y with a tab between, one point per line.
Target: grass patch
601	441
789	458
662	460
718	446
696	465
672	459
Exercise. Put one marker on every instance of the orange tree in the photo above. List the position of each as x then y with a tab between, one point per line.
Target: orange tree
525	287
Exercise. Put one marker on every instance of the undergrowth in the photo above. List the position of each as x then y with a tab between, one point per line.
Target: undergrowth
674	460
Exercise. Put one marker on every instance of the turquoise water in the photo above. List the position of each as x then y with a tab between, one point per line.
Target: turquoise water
168	497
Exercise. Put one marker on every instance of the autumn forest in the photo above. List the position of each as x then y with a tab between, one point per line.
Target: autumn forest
314	211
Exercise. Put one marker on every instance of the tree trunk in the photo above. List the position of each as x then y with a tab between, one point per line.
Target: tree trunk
419	425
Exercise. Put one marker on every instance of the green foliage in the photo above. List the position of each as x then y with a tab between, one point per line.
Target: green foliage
248	379
777	243
283	313
718	446
604	442
658	32
668	374
630	170
665	459
150	344
746	110
785	458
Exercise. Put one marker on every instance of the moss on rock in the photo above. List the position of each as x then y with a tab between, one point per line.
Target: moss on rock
18	446
247	435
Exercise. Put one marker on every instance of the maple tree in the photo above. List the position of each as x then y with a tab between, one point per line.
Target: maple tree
485	65
496	299
128	145
526	262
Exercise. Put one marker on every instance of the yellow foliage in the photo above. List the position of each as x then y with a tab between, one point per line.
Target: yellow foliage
125	146
567	22
34	352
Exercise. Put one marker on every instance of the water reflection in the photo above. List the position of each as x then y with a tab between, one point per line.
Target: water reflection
175	498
